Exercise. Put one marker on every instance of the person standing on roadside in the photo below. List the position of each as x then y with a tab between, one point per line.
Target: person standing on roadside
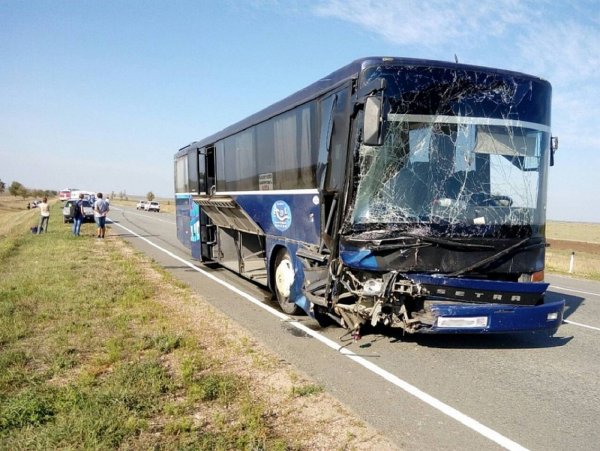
44	215
78	216
100	212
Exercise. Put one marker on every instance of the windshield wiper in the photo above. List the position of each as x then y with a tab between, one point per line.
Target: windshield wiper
387	243
420	240
452	243
496	257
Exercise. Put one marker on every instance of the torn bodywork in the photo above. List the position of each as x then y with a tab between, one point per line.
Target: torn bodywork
442	227
421	303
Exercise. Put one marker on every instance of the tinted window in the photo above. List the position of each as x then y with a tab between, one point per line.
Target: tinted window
240	162
295	148
181	175
339	143
308	145
265	153
277	154
220	162
193	171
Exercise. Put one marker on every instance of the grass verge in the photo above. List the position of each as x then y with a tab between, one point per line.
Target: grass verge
99	349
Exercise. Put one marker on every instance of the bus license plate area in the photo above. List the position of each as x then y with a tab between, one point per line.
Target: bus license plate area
468	322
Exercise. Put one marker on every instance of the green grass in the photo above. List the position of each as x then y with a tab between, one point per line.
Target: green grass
89	359
307	390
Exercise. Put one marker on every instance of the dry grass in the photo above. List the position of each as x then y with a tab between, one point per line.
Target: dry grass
586	258
14	214
300	412
586	266
582	239
573	231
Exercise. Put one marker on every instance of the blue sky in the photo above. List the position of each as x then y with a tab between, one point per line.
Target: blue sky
100	94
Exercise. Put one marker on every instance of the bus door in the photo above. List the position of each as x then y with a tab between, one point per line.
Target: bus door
331	168
207	187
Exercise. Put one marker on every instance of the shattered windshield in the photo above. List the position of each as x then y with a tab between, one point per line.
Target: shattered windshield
459	171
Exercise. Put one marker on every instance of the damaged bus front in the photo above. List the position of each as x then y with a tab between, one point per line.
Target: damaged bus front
444	209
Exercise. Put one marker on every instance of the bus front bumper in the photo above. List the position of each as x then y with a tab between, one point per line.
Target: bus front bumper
460	318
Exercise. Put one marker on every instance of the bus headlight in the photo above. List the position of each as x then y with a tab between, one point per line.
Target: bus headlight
372	287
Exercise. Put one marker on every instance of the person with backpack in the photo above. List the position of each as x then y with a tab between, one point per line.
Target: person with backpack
77	214
100	212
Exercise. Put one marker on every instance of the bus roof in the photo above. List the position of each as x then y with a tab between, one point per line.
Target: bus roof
331	81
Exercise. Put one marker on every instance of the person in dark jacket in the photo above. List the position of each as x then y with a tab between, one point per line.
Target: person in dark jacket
79	215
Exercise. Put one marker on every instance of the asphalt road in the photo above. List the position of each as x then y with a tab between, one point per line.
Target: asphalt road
520	391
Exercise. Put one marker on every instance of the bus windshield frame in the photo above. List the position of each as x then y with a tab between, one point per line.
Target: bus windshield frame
460	169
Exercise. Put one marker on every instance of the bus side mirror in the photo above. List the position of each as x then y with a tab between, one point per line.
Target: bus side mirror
553	148
373	120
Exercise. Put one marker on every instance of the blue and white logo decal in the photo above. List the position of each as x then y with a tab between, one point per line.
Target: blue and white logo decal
194	221
281	215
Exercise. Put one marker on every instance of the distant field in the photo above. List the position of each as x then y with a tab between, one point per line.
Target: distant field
582	239
15	214
573	231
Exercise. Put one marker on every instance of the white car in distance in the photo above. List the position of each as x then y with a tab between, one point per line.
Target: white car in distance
152	206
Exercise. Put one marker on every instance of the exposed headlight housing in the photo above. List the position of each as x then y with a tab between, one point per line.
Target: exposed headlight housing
372	287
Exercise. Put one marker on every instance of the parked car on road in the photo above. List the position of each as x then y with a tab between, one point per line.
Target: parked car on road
88	211
141	205
152	206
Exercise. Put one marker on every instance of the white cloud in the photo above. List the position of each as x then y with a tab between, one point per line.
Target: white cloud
556	41
569	52
432	23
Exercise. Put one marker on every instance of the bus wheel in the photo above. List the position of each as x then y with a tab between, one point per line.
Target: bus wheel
284	279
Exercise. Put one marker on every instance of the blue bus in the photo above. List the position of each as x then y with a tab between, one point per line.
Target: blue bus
400	192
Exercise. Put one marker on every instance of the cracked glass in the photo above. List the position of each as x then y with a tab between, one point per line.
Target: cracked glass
456	159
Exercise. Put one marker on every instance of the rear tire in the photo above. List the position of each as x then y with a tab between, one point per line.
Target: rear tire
284	279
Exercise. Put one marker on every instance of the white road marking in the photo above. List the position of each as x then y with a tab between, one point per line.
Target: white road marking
409	388
580	292
581	325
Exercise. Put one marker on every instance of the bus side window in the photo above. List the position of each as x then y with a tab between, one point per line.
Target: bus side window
221	182
286	150
326	130
181	175
339	142
192	171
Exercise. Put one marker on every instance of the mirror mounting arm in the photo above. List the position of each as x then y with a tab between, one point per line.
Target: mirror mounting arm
374	86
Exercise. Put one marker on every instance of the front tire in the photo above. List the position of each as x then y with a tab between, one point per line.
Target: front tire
284	279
